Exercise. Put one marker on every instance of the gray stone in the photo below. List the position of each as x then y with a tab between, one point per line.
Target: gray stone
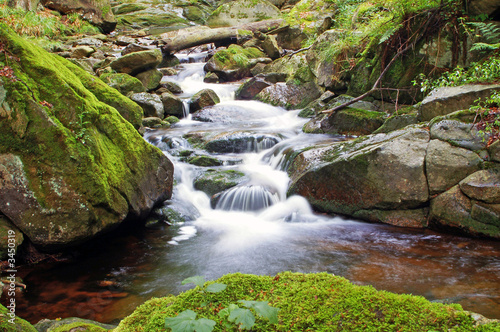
82	51
396	122
202	99
494	151
214	181
251	88
8	230
172	87
446	165
132	48
416	218
88	41
458	133
137	62
150	103
172	105
290	96
447	100
483	186
270	47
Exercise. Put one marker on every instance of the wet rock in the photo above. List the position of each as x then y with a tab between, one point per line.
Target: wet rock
168	71
295	67
458	133
494	151
160	17
446	165
15	325
150	79
154	122
240	142
124	41
384	172
82	51
416	218
205	161
8	231
447	100
137	62
89	41
172	105
454	210
290	96
176	212
132	48
483	186
251	88
202	99
96	12
214	181
150	103
124	83
273	77
172	87
169	60
211	78
242	11
194	14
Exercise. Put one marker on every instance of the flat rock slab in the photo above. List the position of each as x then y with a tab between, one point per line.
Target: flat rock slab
447	100
483	186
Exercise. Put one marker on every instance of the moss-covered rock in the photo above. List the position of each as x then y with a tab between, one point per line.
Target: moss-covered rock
235	62
72	166
72	324
9	322
308	302
202	99
214	181
136	62
240	12
150	79
151	17
204	161
124	83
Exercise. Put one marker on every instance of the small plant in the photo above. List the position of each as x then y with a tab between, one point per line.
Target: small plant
488	112
233	315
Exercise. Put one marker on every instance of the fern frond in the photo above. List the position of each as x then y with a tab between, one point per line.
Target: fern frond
485	47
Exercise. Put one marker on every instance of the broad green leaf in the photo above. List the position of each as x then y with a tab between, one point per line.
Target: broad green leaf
186	322
197	280
263	309
215	288
243	317
203	325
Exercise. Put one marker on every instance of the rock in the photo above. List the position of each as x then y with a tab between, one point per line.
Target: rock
172	105
494	151
234	63
151	104
96	12
454	210
31	5
82	51
483	186
132	48
318	105
396	122
270	47
194	14
153	122
176	212
124	83
10	236
295	67
290	96
446	165
172	87
79	168
152	17
273	77
251	88
137	62
214	181
351	121
202	99
169	60
403	218
241	142
126	8
72	324
168	71
124	41
89	41
86	64
291	38
17	325
384	172
150	79
211	78
242	11
205	161
447	100
458	133
484	7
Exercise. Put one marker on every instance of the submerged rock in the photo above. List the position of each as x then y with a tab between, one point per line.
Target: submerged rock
71	166
215	181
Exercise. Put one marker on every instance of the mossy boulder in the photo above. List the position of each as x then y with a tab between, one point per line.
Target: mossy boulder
126	8
295	67
73	167
215	181
96	12
290	95
317	302
72	324
202	99
235	62
204	161
239	12
150	78
172	105
397	121
13	323
151	17
124	83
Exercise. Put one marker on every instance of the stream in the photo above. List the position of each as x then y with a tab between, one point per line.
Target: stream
254	228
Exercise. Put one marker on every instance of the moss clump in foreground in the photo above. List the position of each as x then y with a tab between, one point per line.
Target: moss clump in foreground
309	302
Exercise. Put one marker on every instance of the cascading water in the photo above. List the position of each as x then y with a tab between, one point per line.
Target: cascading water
255	228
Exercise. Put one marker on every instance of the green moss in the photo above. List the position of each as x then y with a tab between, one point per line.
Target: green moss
19	325
236	56
80	327
215	181
309	302
205	161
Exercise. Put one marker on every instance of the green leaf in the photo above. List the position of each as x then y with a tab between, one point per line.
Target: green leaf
263	309
215	288
186	322
243	317
197	280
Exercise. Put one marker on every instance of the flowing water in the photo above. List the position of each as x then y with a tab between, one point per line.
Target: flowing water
254	228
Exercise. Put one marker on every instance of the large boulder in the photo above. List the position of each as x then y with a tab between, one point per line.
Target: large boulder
71	166
172	105
239	12
378	172
447	100
151	104
290	95
134	63
235	62
96	12
124	83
